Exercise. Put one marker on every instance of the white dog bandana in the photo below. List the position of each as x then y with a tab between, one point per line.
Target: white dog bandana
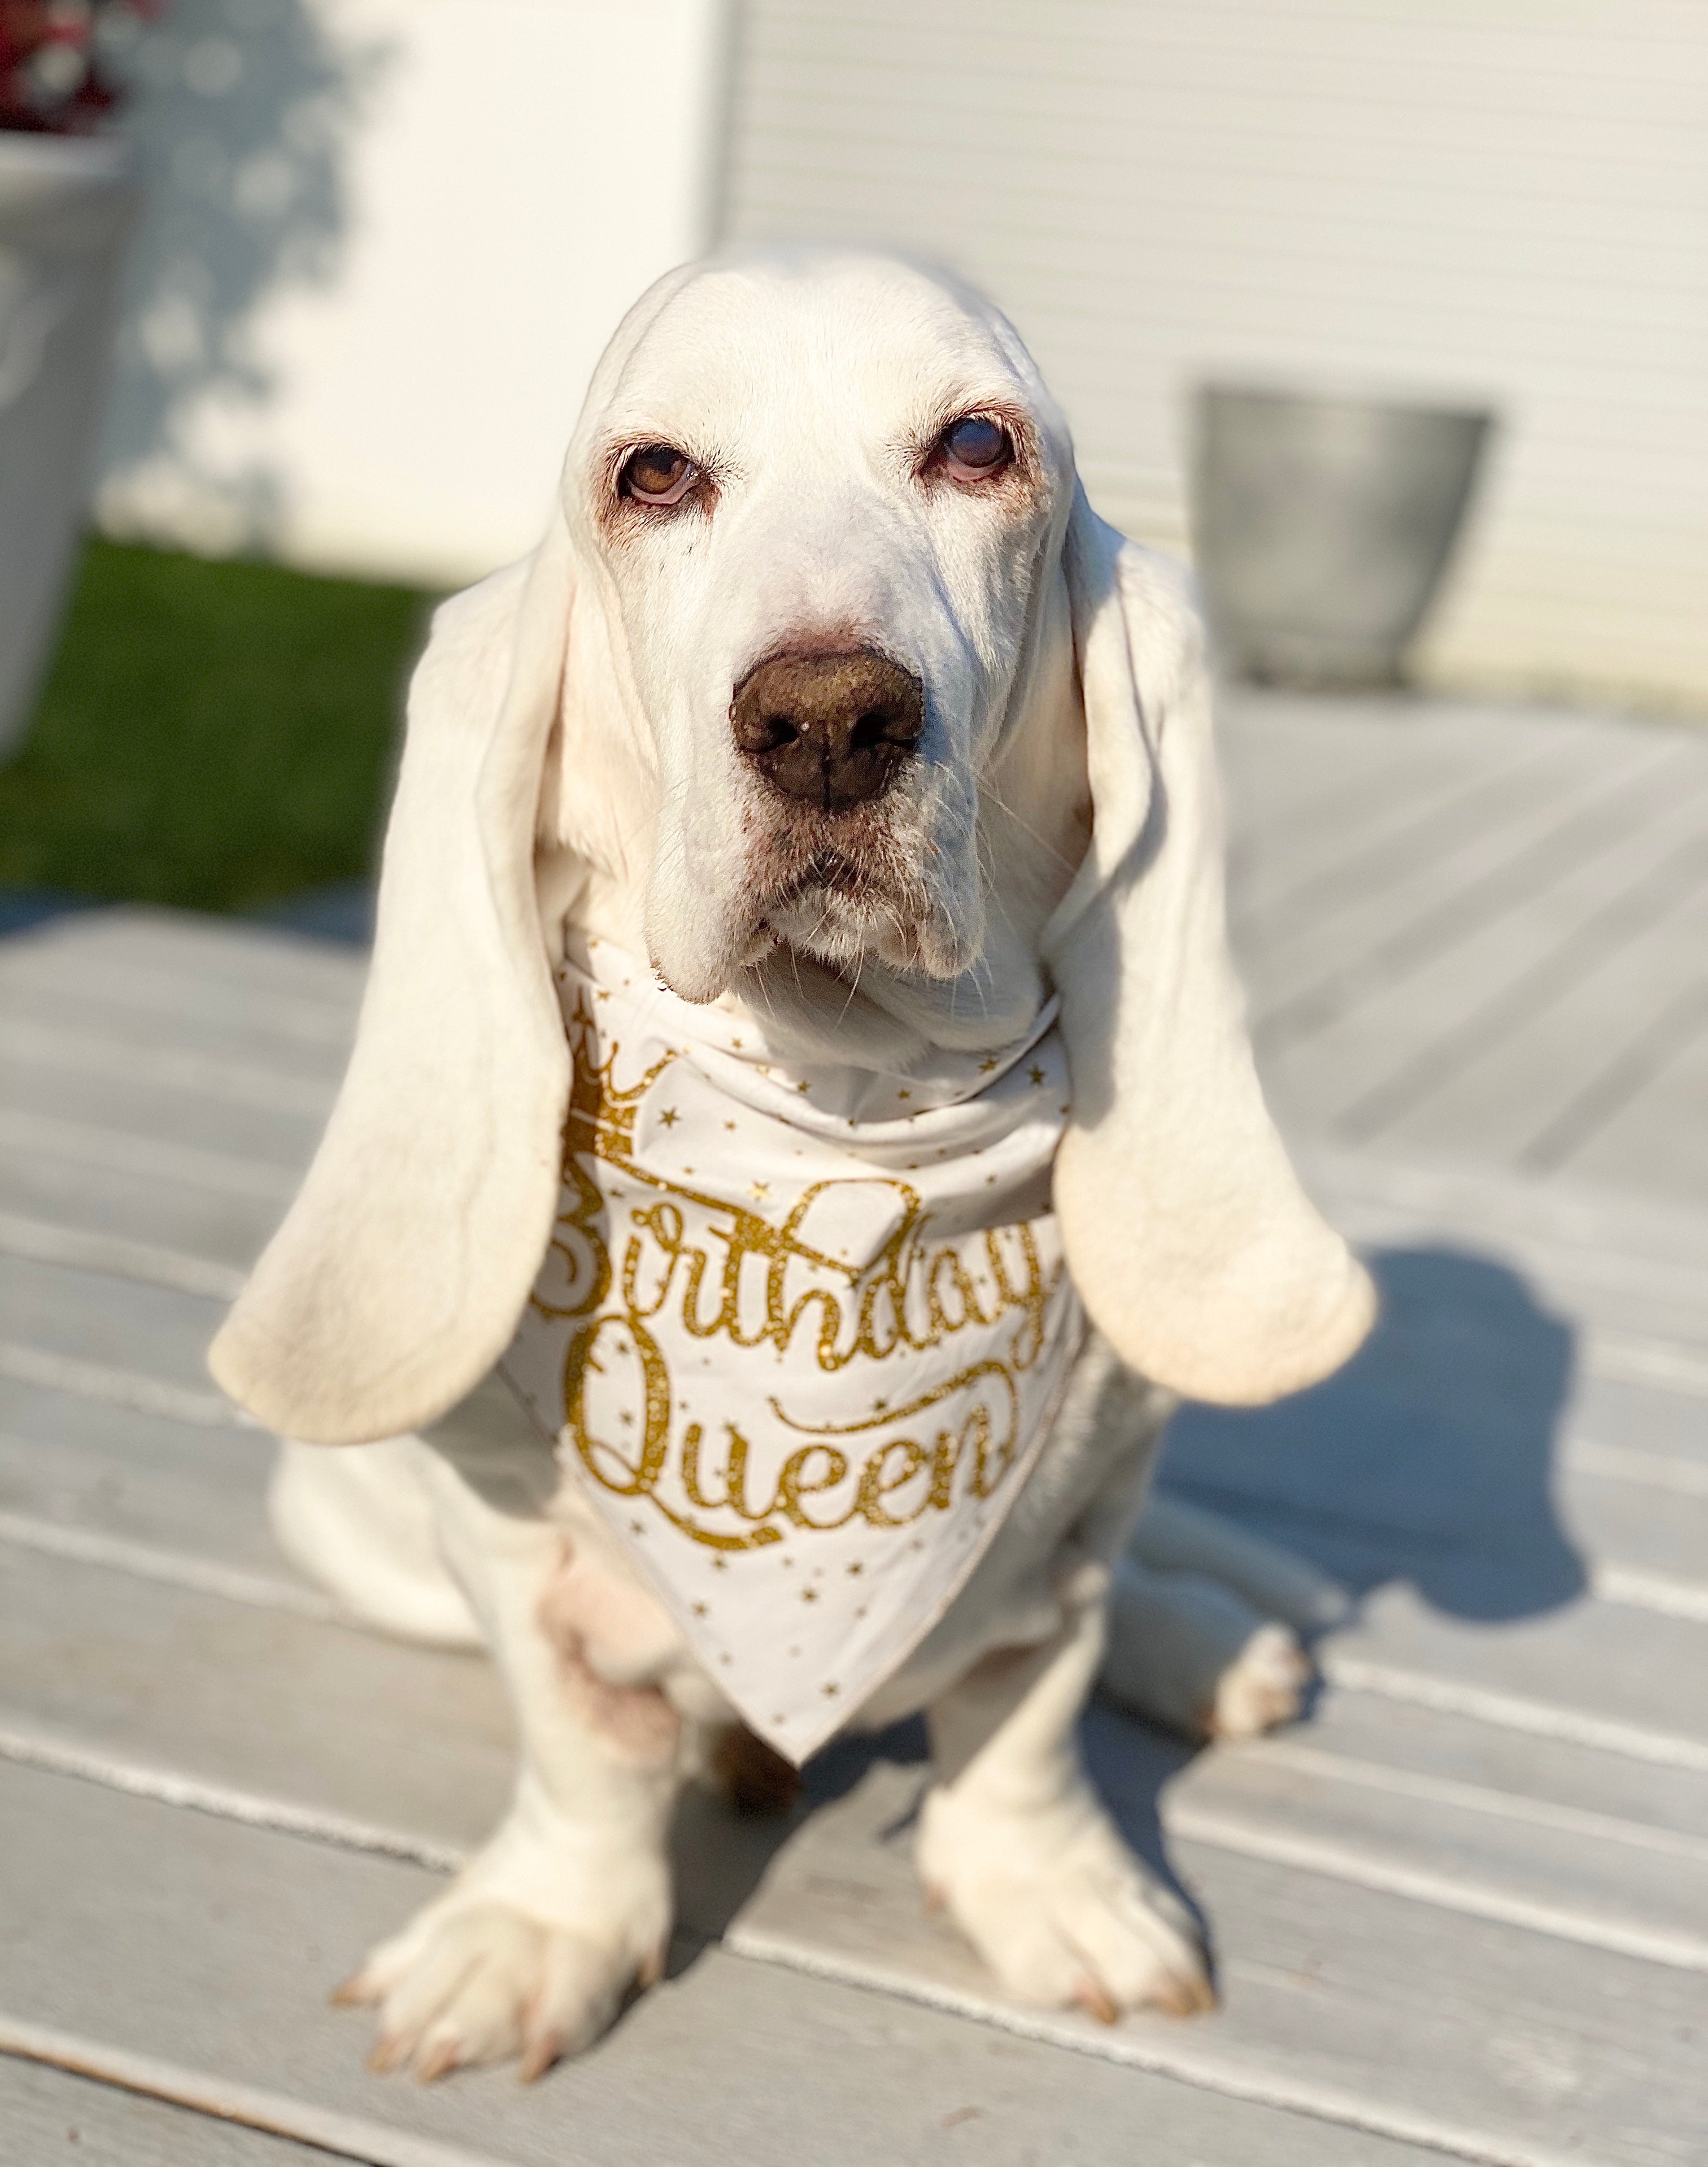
801	1332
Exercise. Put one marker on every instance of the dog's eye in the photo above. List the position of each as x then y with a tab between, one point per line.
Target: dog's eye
975	448
658	473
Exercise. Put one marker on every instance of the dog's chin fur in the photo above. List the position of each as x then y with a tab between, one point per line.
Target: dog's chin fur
847	927
867	888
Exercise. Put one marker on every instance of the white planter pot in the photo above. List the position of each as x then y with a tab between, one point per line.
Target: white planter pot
66	206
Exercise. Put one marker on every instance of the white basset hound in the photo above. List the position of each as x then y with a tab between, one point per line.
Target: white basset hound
800	968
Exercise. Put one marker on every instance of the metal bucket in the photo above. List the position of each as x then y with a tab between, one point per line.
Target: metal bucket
1323	526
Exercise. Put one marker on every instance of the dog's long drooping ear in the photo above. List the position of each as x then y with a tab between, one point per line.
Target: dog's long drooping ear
1192	1245
397	1278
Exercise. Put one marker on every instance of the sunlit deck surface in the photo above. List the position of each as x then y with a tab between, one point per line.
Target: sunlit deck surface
1462	1910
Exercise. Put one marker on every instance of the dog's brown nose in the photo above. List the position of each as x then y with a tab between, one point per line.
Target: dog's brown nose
830	730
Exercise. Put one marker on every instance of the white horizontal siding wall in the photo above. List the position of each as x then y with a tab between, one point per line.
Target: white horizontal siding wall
386	241
1503	199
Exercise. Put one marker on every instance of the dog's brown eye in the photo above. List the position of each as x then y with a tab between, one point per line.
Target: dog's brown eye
658	473
975	448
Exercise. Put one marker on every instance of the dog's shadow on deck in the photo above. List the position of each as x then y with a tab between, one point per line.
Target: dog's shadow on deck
1426	1463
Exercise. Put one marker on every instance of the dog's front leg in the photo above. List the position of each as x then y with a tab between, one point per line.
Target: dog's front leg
1016	1844
531	1948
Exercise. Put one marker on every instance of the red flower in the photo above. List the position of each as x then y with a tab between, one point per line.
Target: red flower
53	72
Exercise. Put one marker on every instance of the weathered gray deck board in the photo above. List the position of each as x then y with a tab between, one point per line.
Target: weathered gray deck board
1328	899
1657	1140
234	1930
1303	840
1440	871
274	1703
221	1234
1344	1031
116	1471
1466	1904
322	1715
266	1046
138	963
1605	1659
1617	1269
228	958
1491	2037
89	1315
142	1113
53	2120
1535	1091
1536	886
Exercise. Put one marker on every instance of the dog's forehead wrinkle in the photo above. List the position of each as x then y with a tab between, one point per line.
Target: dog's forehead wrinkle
866	340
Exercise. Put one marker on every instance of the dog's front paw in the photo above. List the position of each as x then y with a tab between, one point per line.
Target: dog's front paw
475	1979
1058	1908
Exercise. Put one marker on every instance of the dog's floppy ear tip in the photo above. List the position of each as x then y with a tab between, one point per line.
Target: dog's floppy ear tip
246	1367
249	1383
292	1393
1241	1338
1301	1348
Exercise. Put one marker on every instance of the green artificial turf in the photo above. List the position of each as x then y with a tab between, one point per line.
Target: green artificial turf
212	736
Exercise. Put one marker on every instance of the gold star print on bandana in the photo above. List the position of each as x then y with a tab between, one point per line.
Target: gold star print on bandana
804	1245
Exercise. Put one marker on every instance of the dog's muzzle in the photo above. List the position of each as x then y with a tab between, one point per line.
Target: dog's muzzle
830	731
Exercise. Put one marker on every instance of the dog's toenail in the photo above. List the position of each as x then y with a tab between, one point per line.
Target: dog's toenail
435	2064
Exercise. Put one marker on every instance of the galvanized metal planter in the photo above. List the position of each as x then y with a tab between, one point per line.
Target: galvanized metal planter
66	206
1323	527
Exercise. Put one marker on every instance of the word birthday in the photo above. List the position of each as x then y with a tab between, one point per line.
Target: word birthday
711	1356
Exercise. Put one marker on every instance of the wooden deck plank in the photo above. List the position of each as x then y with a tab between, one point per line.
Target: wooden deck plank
1289	759
1634	1503
1471	1888
170	1934
1371	1730
92	1317
132	1206
1505	985
152	1059
1535	1094
1665	1433
233	954
88	1465
78	974
319	1715
147	1010
1362	1046
1614	1663
1461	1450
51	2119
1657	1142
1312	887
1374	938
1297	816
1618	1268
1484	1542
1511	2043
143	1114
320	1719
1656	1527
